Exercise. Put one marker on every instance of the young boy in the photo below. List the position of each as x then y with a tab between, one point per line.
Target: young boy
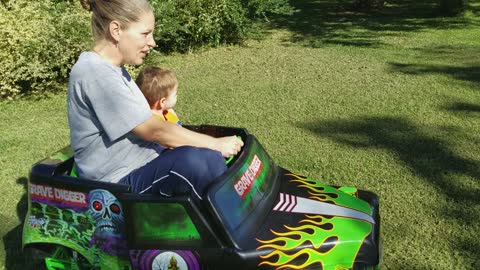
159	86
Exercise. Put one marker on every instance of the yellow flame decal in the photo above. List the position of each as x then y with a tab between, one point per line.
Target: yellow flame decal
315	189
344	237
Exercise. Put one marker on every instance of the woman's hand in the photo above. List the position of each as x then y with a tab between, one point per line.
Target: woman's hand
228	146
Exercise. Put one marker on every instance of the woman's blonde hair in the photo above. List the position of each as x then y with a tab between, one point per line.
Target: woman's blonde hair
156	83
106	11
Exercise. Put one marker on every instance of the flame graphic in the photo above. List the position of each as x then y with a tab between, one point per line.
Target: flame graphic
340	238
315	189
324	193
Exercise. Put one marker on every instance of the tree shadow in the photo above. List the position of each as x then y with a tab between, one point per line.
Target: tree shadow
13	239
428	157
317	23
468	73
465	67
463	107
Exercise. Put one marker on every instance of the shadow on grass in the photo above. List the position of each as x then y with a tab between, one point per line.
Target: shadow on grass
458	62
463	107
319	22
427	157
464	56
468	73
13	239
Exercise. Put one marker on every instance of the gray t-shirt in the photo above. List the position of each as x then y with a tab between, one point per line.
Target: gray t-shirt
104	105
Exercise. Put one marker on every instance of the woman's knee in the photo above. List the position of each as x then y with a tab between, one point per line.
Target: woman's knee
204	161
201	155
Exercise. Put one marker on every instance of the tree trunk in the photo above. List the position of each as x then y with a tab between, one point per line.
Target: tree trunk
452	7
369	4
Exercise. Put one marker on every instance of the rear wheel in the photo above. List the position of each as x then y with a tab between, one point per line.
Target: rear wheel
53	257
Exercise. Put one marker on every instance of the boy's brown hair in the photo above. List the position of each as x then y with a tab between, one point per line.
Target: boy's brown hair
156	83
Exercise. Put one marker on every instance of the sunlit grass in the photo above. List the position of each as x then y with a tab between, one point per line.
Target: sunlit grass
395	111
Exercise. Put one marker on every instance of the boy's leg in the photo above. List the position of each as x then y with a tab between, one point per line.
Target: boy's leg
178	171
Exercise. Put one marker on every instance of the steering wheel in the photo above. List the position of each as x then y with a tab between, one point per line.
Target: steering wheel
230	158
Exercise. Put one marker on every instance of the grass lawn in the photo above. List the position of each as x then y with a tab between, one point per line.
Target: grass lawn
388	102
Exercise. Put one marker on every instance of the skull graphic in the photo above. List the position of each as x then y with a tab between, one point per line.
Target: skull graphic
107	212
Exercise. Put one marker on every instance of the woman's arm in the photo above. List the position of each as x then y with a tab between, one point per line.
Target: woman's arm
171	135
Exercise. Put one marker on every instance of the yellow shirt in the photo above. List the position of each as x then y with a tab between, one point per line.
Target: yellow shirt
169	116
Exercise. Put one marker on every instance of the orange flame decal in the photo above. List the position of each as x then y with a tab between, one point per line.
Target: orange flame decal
333	243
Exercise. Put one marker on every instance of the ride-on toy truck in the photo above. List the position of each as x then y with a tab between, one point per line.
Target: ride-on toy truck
257	215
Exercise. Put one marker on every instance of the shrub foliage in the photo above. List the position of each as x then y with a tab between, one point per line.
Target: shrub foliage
42	39
368	4
189	24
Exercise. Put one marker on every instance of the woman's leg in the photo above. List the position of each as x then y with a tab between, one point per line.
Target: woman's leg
181	170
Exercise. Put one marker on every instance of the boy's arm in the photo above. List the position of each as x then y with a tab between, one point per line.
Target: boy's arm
171	135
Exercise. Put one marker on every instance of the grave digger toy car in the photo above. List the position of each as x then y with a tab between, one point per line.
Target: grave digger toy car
257	215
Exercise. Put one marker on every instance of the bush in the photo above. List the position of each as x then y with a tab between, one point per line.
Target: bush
190	24
40	42
184	25
368	4
262	8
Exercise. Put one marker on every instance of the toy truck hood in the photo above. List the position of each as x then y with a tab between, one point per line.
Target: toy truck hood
312	223
275	218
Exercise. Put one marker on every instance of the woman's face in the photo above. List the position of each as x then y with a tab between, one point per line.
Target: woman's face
136	41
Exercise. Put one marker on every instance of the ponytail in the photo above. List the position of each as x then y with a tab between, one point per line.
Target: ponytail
123	11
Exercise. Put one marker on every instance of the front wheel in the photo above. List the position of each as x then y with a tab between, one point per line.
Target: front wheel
365	267
54	257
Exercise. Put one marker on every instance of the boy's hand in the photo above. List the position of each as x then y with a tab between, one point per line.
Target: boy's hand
228	146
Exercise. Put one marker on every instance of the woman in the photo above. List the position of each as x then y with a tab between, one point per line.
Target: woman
113	132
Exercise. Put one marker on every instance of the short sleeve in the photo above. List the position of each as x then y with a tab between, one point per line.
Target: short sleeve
118	107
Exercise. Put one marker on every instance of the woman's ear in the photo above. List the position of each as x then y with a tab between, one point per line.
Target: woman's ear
114	29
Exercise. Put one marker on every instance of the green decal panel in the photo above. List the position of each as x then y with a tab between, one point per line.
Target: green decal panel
347	234
349	190
55	225
335	242
73	227
325	193
63	154
162	221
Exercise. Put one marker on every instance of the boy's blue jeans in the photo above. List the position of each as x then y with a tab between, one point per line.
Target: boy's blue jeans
183	170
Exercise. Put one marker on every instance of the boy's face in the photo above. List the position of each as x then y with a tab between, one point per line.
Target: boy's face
170	101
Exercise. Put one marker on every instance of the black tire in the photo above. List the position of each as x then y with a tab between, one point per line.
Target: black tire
363	267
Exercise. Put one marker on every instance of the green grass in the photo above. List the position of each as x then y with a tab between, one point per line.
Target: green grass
388	102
